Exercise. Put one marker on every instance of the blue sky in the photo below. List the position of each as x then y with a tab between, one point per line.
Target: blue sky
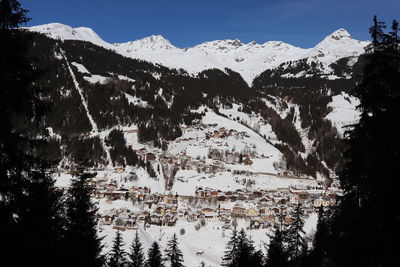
186	23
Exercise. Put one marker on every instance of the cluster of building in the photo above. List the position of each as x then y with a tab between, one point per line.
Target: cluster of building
261	208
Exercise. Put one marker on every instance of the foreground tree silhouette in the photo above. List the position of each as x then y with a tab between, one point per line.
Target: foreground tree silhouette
294	234
246	254
136	255
365	226
12	15
241	252
277	255
117	253
321	239
154	257
30	210
231	249
83	245
173	254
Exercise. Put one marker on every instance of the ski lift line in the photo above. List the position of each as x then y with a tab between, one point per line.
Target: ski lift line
86	107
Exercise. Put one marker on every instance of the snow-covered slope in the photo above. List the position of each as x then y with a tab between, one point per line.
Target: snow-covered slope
249	59
65	32
344	112
337	45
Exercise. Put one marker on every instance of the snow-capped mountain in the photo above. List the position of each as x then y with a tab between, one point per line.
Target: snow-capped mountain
151	44
64	32
249	59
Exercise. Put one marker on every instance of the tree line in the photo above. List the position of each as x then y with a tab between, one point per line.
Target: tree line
136	257
287	246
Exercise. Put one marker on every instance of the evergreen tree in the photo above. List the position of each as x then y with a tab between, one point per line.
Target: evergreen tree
154	257
117	253
277	255
83	245
364	228
245	251
42	222
376	32
240	251
173	254
30	210
136	255
321	239
230	254
294	234
12	15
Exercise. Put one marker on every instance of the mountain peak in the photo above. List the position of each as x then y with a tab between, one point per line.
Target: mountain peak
64	32
339	34
151	43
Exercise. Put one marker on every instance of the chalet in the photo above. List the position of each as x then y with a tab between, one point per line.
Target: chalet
288	219
252	212
257	194
294	199
107	219
141	218
208	210
191	216
156	219
266	211
224	215
150	157
169	219
111	186
160	210
241	197
130	224
232	198
221	198
322	201
238	210
267	218
214	193
150	199
264	201
170	199
209	213
247	161
119	228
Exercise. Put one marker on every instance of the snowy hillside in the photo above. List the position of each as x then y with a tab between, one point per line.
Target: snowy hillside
344	111
249	59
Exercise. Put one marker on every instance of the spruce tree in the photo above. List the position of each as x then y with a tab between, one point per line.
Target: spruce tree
154	257
246	253
231	251
240	251
42	222
173	254
321	238
364	229
294	234
117	254
30	210
136	255
277	255
82	242
12	15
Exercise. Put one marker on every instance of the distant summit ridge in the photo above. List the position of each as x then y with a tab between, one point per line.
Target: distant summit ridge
249	59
